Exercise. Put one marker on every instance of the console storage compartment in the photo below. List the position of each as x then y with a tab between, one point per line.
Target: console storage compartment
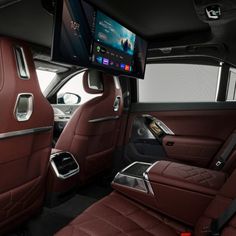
180	191
62	177
133	182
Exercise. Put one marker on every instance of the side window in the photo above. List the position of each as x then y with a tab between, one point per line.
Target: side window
73	92
178	83
45	78
231	92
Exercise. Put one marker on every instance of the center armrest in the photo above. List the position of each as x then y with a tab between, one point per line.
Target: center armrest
180	191
187	177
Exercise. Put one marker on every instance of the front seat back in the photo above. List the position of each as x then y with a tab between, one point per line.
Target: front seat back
91	134
26	120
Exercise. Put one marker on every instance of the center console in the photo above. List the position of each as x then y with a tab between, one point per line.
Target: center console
133	177
180	191
62	177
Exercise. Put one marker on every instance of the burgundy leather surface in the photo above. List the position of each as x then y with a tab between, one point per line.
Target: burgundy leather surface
201	124
117	215
24	159
179	188
195	150
92	144
217	206
144	198
176	185
187	177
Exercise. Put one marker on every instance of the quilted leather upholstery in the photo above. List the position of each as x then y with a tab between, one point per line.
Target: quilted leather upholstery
116	215
24	158
194	177
92	143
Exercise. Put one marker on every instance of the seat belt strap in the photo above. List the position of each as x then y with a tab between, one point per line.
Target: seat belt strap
218	224
226	153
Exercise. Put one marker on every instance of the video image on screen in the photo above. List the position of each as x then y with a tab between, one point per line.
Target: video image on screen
113	34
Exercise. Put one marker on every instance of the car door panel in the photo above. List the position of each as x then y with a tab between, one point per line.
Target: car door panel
198	133
194	150
143	145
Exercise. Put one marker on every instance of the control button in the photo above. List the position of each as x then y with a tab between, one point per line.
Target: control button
122	66
127	67
99	60
105	61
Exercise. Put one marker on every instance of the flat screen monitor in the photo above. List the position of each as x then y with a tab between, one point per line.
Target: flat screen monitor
87	37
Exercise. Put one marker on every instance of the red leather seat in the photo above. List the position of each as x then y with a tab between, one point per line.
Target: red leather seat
26	122
91	133
117	215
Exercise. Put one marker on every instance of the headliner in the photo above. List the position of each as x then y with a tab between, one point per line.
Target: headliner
164	23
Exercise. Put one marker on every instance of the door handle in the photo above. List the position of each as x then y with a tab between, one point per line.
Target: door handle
170	144
116	105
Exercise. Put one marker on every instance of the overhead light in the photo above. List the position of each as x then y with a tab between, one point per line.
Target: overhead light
213	12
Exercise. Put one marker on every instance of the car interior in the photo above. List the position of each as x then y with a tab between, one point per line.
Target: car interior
117	118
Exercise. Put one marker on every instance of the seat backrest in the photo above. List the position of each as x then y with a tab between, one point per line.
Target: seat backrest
91	134
26	121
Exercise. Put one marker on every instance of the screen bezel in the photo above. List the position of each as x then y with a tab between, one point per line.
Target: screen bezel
57	27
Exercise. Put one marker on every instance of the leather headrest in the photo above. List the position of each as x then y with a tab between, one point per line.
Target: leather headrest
18	78
96	76
17	65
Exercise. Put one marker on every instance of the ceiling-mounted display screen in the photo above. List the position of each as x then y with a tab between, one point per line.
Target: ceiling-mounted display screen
87	37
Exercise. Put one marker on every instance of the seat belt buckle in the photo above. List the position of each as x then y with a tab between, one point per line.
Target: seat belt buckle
207	230
220	162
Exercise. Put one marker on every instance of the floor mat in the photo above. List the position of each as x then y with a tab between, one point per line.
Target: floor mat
53	219
95	191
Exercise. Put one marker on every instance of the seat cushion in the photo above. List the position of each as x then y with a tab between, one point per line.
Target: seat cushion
117	215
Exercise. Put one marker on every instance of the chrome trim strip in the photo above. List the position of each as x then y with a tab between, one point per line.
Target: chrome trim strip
218	81
106	118
24	132
147	181
136	162
164	127
70	173
149	187
149	168
161	125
